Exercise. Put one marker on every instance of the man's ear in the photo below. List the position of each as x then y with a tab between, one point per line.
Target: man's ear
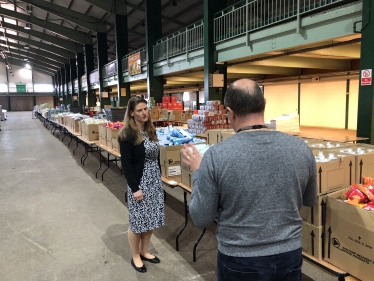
264	101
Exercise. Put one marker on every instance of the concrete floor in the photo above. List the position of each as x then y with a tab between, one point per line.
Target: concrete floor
58	222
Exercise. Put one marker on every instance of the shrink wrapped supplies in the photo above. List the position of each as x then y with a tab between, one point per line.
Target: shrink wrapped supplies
285	123
171	140
209	117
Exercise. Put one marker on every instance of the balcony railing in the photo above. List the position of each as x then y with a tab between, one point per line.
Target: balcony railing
143	58
246	16
186	39
110	69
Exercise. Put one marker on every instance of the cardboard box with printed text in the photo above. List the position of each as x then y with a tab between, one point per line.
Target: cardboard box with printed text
316	214
334	174
349	237
312	238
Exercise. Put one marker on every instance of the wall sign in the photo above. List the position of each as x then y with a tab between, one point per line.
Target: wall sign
366	77
134	64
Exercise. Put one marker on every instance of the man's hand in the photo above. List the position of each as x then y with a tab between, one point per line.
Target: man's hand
191	157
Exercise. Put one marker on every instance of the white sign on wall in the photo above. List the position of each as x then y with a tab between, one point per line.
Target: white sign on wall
366	77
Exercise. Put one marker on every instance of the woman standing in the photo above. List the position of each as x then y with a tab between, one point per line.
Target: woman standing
141	166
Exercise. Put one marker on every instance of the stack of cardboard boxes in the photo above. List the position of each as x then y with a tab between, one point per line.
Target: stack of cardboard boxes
334	231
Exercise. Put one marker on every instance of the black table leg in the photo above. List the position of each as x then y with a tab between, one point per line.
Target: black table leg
71	139
100	160
108	161
185	220
78	141
197	242
84	157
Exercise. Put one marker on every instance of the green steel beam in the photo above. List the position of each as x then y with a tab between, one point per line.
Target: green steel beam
14	61
365	113
69	33
36	57
35	51
68	45
55	50
155	84
91	23
47	66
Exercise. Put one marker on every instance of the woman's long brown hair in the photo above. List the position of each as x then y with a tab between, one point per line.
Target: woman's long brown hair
130	131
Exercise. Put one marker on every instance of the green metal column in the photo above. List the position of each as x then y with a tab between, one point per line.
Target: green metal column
210	66
365	114
67	80
155	84
90	66
55	96
102	59
122	49
7	81
62	82
80	73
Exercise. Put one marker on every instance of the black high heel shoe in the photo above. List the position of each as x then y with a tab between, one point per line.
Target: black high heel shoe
141	269
154	260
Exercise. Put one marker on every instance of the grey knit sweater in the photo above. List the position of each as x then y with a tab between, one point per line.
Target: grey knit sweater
255	183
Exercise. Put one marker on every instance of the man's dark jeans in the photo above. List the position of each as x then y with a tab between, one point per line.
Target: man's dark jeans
280	267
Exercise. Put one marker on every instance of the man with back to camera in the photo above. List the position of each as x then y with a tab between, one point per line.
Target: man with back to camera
254	184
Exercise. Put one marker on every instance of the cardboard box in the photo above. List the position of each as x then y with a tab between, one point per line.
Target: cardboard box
92	132
80	124
102	131
186	177
186	116
312	238
349	242
84	128
102	140
115	144
227	134
75	127
218	135
364	154
336	174
177	115
170	170
110	134
316	214
170	155
155	113
61	119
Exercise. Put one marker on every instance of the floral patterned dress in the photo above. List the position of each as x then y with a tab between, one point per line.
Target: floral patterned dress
148	213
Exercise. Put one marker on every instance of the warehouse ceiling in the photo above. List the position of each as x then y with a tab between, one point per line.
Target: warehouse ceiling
59	28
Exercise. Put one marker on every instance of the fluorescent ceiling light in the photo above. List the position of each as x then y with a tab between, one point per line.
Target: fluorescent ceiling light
27	46
28	26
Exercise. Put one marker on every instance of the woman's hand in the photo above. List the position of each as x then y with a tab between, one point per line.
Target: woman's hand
138	195
191	157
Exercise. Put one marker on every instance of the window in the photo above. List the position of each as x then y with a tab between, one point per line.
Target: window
43	88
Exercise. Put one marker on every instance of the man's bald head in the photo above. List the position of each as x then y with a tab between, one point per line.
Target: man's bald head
245	97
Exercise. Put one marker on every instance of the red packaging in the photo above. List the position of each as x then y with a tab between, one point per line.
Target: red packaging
165	99
369	206
353	193
173	99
